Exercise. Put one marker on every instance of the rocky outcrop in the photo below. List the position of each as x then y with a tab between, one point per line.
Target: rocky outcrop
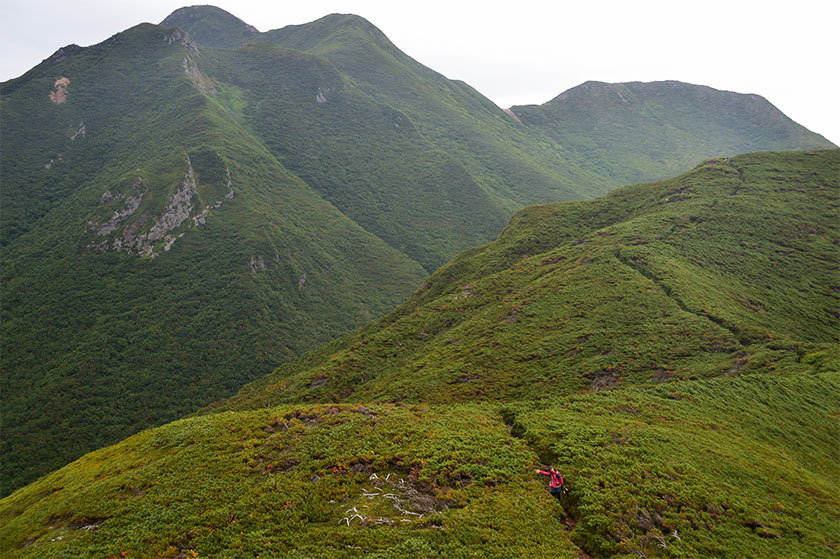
80	131
514	116
179	210
64	53
178	36
200	80
257	263
201	218
176	212
132	202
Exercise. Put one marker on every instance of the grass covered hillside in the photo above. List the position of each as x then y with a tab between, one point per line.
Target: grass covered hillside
724	467
636	131
671	347
728	269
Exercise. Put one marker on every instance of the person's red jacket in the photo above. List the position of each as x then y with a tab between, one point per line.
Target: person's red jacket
556	478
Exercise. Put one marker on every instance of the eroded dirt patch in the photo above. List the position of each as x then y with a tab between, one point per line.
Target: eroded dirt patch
59	93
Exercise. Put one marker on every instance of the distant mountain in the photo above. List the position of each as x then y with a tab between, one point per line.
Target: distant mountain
211	26
672	348
188	205
633	132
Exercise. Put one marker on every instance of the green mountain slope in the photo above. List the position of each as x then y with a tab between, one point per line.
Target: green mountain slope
551	154
671	347
730	267
495	149
157	254
365	157
637	131
183	212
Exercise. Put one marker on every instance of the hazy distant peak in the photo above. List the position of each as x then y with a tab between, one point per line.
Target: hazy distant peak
211	26
645	89
345	28
349	19
195	13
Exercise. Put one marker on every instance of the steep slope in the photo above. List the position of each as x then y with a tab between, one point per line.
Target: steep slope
643	131
155	254
427	164
501	155
366	158
494	149
730	267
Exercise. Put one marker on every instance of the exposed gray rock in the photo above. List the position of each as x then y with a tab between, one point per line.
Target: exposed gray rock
80	131
201	218
180	36
229	195
170	240
200	80
178	210
257	263
132	202
321	97
64	53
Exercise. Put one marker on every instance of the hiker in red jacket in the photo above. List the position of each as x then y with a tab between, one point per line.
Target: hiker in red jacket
556	485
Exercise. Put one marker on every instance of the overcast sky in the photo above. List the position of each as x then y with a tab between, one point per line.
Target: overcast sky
526	51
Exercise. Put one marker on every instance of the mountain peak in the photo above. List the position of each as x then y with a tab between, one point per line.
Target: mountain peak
210	25
64	53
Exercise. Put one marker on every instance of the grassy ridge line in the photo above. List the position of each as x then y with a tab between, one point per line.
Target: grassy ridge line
697	276
727	467
280	482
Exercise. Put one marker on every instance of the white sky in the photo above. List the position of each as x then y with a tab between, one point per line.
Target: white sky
526	51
